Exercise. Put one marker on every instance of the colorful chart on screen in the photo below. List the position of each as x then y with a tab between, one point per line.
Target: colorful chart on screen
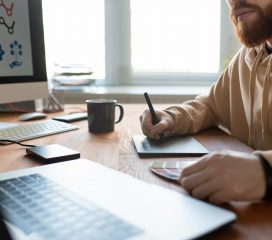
15	41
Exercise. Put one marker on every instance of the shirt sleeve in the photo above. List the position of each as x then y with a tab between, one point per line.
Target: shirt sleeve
206	110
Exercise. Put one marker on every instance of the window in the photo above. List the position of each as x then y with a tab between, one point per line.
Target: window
74	33
175	36
141	41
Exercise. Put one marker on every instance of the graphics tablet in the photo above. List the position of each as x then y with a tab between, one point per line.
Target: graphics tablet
174	146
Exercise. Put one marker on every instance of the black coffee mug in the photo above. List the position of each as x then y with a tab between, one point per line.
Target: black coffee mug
101	115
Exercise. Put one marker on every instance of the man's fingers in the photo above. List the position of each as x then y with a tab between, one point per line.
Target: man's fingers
220	197
146	123
206	189
192	181
160	127
166	134
146	119
196	167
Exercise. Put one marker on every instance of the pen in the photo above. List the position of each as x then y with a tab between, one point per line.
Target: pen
153	114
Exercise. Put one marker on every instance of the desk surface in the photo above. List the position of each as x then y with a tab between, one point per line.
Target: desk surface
115	150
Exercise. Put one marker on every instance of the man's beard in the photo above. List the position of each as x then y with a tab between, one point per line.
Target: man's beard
257	32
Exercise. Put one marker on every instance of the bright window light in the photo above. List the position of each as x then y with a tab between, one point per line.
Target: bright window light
74	33
175	36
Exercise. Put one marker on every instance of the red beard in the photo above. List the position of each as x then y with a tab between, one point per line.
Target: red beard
254	33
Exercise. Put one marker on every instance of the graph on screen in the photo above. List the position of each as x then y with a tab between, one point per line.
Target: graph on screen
15	41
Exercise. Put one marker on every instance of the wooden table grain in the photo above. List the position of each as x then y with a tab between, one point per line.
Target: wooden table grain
115	150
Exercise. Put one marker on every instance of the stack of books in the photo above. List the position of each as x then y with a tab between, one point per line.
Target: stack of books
73	75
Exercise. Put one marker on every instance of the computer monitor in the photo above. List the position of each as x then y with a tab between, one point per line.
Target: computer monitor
22	52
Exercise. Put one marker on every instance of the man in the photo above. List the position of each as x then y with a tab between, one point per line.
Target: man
241	102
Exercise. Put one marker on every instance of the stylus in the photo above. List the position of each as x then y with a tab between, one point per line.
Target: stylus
153	114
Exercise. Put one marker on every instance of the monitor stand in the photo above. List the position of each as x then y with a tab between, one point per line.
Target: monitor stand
52	104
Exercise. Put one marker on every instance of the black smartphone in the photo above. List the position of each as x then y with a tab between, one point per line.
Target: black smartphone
72	117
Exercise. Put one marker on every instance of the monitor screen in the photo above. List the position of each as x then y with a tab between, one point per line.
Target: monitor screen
22	53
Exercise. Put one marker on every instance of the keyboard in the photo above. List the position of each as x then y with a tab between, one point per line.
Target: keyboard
34	130
37	204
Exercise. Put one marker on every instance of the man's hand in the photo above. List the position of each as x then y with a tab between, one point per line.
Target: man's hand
225	176
165	125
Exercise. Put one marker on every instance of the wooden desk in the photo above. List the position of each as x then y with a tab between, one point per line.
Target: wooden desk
115	150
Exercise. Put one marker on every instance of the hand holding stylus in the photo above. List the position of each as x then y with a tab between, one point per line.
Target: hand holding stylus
157	124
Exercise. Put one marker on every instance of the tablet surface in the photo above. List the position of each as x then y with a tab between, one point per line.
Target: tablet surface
174	146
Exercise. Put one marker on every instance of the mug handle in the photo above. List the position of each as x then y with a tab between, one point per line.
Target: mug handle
121	112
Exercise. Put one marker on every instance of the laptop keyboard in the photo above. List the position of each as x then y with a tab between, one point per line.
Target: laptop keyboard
36	204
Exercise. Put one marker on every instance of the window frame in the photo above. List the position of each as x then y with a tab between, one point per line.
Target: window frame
118	69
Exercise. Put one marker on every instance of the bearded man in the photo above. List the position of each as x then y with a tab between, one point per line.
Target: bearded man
241	103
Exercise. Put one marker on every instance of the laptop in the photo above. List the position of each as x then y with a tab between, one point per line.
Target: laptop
4	232
172	146
81	199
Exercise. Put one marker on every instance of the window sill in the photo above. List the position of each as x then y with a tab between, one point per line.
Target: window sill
130	94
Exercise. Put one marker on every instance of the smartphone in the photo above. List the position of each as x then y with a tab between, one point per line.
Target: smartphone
71	117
